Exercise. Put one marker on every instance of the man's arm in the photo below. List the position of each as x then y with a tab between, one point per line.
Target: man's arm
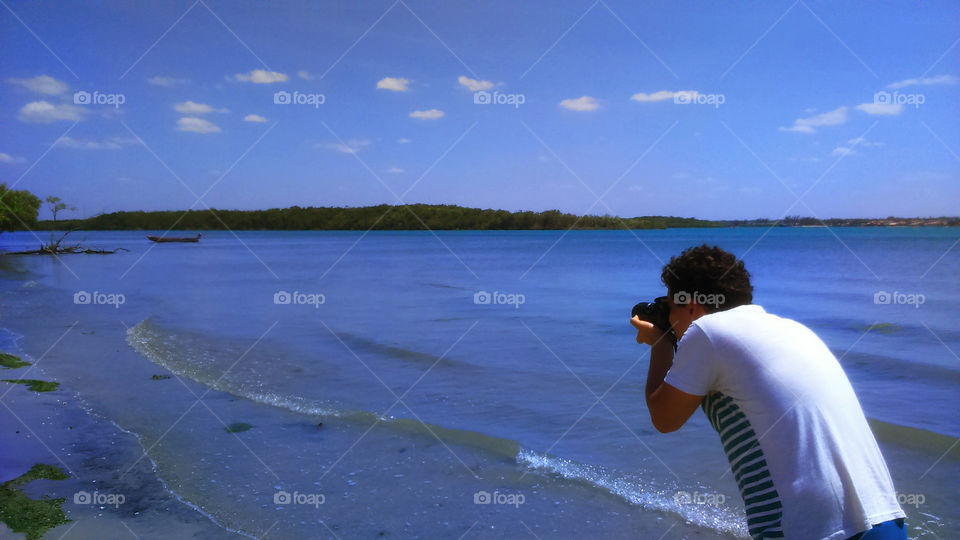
669	407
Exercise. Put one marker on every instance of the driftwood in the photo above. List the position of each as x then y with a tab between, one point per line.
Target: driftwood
45	250
54	248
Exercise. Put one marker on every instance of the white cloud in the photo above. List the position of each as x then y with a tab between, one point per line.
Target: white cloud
45	112
861	142
197	125
113	143
7	158
261	76
168	82
394	170
856	142
403	140
192	107
396	84
474	85
43	84
662	95
925	81
431	114
254	118
882	109
807	125
304	74
583	104
350	147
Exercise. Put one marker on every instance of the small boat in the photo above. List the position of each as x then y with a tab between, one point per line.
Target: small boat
163	239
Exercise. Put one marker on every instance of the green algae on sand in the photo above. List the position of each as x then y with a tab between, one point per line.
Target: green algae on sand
10	361
31	516
34	384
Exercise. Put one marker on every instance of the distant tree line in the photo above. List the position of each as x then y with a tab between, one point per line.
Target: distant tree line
382	217
418	217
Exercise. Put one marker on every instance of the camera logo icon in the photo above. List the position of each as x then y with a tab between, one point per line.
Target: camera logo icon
481	98
681	298
482	298
682	498
82	497
881	298
882	98
282	298
81	98
481	497
282	497
683	98
82	297
281	97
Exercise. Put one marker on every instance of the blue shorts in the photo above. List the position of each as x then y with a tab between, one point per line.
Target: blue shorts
895	529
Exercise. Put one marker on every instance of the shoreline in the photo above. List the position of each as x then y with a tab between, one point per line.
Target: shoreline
55	427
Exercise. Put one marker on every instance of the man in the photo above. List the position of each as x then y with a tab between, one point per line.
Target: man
799	446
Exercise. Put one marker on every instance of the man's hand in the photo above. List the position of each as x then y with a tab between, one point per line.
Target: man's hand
646	332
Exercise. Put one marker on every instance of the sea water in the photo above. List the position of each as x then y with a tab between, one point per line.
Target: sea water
477	383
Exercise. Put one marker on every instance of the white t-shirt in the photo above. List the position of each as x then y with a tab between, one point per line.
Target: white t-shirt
798	443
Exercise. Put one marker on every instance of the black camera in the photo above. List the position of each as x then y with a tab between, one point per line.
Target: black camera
656	313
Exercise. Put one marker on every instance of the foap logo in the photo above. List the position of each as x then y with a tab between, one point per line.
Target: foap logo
682	298
509	499
484	298
913	499
98	298
82	97
712	499
497	98
283	97
96	498
896	98
692	97
897	298
309	499
297	298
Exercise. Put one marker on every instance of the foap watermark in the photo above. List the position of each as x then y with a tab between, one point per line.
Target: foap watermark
82	97
913	499
710	499
509	499
283	97
98	298
99	499
693	97
484	298
498	98
896	98
897	298
309	499
297	298
682	298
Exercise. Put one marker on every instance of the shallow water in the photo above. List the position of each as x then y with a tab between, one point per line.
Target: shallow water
427	398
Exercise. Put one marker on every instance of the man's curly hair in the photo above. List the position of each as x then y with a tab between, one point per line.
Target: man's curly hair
706	270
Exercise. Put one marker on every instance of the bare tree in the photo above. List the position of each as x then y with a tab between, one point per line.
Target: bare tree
56	205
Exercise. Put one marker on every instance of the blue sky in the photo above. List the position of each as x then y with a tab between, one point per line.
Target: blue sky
708	110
